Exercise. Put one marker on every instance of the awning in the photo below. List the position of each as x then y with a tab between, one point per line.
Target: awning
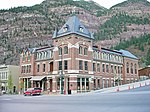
37	78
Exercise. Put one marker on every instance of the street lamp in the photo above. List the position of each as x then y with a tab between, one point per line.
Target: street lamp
0	86
61	75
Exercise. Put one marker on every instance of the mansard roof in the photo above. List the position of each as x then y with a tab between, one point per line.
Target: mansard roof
111	51
128	54
73	26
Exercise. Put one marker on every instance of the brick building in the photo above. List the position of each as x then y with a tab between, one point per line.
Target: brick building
5	72
144	73
73	64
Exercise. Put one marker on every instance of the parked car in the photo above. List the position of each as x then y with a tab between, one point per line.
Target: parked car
33	91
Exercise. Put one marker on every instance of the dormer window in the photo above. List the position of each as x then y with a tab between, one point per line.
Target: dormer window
65	29
81	29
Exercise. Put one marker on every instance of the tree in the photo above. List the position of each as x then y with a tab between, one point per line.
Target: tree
10	84
148	57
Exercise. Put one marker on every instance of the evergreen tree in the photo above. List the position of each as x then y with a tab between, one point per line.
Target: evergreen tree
10	84
148	57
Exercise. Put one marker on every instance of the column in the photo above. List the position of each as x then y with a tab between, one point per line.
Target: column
54	84
24	84
66	85
48	84
60	85
85	84
43	85
32	85
27	83
81	84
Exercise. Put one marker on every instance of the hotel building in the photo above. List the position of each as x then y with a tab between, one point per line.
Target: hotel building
74	64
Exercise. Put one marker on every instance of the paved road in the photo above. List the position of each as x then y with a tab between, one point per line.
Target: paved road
137	100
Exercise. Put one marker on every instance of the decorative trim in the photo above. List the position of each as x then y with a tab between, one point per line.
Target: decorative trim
55	72
90	49
73	71
91	72
55	49
83	59
25	64
63	59
53	90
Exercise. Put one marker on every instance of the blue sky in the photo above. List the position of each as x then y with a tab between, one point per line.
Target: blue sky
5	4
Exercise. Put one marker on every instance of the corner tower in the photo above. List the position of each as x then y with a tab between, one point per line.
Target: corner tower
73	55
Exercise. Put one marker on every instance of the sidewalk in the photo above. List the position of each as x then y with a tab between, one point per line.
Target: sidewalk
123	87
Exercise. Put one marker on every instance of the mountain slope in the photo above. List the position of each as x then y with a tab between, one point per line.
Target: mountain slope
123	21
23	27
138	46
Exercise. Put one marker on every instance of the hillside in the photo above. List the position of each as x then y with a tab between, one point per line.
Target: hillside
23	27
123	21
139	46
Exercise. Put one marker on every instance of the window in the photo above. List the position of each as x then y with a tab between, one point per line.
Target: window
65	29
86	65
115	69
24	58
98	67
98	82
29	68
65	50
80	50
112	69
38	68
80	65
121	70
60	65
107	68
103	67
43	67
135	69
81	29
22	69
118	69
85	51
78	83
94	83
87	84
58	83
6	76
131	68
28	57
94	67
65	65
60	51
127	67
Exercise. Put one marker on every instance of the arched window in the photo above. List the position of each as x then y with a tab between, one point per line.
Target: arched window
65	50
131	68
60	51
85	51
27	70
127	67
135	68
80	50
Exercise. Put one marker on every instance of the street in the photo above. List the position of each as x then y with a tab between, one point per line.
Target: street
137	100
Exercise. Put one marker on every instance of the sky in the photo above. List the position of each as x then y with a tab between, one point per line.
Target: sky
6	4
